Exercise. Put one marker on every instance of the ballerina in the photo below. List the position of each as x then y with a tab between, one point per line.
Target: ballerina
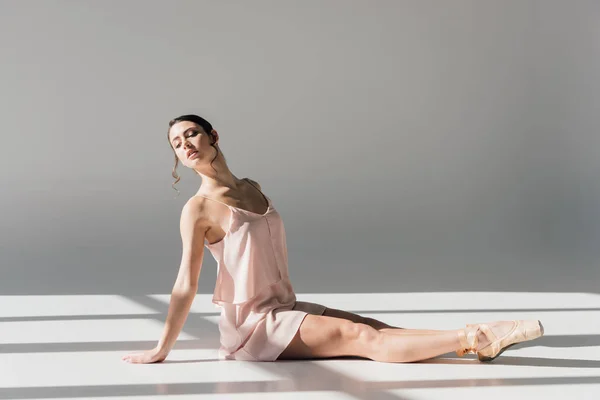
261	319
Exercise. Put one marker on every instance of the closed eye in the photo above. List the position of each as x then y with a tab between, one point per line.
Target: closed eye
193	133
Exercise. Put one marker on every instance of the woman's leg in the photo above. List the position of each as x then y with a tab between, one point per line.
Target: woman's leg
323	336
379	325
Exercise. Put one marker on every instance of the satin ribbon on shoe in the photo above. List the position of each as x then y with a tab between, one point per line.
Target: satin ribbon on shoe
468	340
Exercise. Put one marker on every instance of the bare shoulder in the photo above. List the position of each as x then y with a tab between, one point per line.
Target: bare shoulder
192	209
193	215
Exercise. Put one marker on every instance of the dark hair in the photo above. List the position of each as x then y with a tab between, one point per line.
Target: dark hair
206	126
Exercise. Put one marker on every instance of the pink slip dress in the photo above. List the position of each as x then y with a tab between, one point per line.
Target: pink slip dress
259	311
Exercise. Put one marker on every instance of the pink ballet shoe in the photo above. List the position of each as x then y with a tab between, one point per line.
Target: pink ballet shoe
522	331
468	340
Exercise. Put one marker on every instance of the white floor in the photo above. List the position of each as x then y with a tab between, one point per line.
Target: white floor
70	347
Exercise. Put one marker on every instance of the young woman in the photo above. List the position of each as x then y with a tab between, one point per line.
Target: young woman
261	320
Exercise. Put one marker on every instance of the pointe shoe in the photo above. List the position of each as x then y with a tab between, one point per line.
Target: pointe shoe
469	340
522	331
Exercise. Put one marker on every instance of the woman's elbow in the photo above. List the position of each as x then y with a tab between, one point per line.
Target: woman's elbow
185	288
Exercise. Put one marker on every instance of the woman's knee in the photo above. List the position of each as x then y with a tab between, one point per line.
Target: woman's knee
332	337
362	336
371	343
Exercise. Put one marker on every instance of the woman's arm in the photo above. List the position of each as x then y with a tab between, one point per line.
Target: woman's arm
179	307
193	229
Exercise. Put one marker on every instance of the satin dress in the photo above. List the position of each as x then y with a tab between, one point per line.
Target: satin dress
259	311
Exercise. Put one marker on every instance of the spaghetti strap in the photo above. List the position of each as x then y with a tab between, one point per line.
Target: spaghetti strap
218	201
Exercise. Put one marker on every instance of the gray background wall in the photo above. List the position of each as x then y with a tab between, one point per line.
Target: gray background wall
409	145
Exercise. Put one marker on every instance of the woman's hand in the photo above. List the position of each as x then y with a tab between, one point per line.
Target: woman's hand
147	357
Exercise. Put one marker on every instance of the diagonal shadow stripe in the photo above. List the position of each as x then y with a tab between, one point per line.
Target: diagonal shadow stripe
521	361
210	340
564	341
195	324
471	310
360	389
487	382
360	312
93	317
547	362
205	342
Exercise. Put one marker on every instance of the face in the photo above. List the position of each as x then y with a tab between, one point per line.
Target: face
190	143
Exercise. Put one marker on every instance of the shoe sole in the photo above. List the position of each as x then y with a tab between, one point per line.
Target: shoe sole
487	359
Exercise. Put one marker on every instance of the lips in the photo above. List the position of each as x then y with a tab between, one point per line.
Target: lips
192	153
